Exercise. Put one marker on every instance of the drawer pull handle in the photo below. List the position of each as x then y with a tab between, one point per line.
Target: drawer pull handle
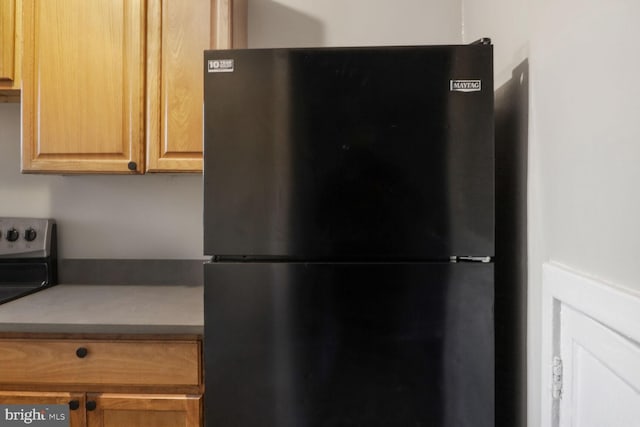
74	404
82	352
91	405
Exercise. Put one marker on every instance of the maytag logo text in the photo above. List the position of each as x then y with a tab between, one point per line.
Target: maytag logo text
465	85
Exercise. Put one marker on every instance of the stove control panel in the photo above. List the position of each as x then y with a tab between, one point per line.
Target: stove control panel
26	237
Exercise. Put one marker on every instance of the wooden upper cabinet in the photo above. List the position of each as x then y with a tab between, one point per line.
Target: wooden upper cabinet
7	39
83	86
115	86
10	65
179	32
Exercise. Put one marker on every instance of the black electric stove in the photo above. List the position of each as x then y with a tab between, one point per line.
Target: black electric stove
28	256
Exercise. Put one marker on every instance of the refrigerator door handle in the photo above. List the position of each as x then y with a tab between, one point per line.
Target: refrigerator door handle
483	259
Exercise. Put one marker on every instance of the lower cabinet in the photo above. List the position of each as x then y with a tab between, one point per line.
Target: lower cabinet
106	382
116	409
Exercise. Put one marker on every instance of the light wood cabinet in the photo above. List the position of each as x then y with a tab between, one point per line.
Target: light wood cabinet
115	362
134	410
116	86
116	409
83	86
106	382
10	49
7	40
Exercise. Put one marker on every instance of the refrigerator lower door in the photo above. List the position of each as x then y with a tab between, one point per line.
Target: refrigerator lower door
395	344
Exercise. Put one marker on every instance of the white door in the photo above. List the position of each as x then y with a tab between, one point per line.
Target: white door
593	332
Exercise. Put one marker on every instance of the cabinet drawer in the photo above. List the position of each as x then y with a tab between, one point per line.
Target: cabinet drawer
100	362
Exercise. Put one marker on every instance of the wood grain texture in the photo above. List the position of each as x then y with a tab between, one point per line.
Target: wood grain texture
228	24
10	50
178	34
240	33
7	39
222	32
76	417
83	86
118	410
9	96
122	363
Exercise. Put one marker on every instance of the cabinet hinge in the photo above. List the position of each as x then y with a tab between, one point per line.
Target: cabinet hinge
556	378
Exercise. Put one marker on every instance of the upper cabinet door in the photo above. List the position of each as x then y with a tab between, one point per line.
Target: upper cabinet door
83	86
179	32
9	50
7	39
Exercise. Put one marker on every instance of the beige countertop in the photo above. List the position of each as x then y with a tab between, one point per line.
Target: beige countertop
117	309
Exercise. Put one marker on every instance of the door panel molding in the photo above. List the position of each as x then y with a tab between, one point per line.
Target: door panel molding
595	328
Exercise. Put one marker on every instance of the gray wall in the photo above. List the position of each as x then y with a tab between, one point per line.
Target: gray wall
584	133
295	23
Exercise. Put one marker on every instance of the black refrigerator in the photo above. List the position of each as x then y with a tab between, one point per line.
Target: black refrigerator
349	220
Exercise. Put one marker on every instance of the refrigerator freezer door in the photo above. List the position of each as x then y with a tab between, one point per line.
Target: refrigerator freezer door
293	344
352	153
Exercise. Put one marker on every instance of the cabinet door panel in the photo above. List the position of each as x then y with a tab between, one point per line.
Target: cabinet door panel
178	35
7	40
83	86
10	50
136	410
76	416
